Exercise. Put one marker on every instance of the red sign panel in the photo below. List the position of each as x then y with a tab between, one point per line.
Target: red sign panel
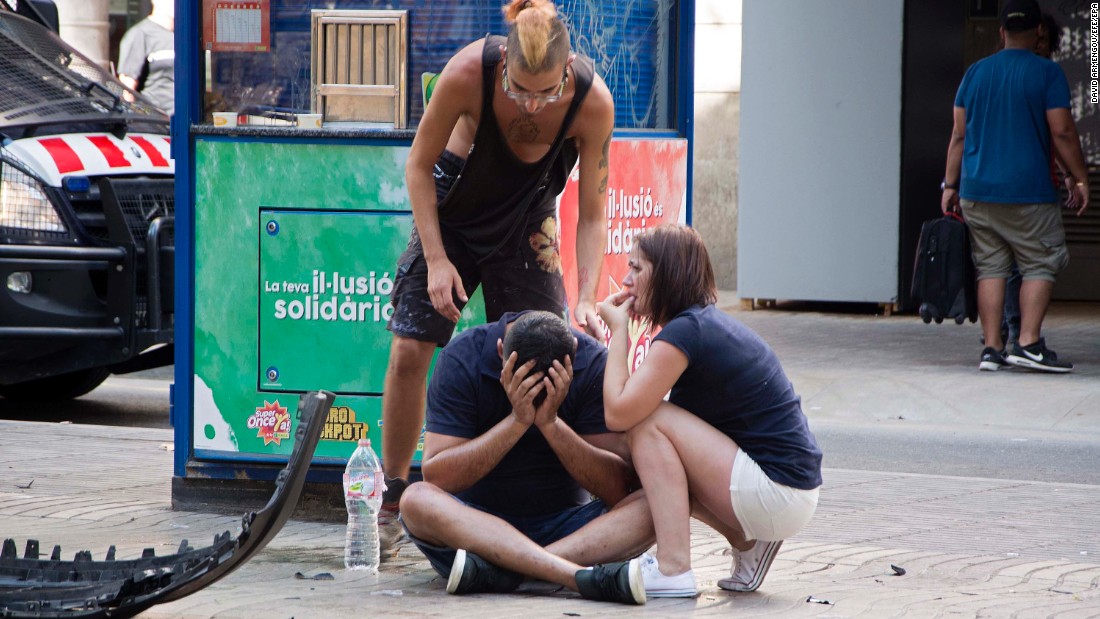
236	25
647	186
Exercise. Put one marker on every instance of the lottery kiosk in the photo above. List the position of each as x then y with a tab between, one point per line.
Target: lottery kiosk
292	128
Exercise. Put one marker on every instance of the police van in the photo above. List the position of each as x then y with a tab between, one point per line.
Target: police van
87	246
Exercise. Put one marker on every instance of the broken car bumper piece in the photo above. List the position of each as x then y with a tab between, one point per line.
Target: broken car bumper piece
34	587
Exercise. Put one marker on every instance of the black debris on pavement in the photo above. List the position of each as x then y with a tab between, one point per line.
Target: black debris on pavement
898	571
813	600
317	576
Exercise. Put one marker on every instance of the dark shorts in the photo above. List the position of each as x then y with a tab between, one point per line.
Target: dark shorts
529	279
543	530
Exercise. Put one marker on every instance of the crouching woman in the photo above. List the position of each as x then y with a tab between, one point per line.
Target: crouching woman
731	445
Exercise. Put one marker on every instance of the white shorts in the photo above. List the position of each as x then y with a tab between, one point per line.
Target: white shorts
766	510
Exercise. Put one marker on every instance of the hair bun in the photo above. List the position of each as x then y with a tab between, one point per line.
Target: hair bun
515	7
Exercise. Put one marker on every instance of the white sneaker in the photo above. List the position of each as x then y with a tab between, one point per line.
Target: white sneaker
751	566
657	585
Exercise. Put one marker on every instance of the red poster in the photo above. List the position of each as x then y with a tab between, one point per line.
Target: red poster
647	186
236	25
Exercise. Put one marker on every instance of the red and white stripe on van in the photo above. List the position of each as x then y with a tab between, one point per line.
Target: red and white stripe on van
94	154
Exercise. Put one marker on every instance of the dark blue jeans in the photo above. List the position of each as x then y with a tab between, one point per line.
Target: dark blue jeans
1010	322
543	530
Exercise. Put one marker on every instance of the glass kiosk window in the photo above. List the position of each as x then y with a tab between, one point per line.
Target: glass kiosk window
260	64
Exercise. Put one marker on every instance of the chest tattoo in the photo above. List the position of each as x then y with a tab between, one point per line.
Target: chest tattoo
523	130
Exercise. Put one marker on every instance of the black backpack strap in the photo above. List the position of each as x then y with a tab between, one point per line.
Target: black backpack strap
490	57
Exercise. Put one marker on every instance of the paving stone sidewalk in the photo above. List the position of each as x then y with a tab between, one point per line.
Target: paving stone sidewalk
970	547
868	368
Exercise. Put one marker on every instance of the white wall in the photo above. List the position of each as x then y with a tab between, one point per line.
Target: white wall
820	150
84	26
717	118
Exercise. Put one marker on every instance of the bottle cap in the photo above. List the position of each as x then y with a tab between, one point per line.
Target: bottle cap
364	442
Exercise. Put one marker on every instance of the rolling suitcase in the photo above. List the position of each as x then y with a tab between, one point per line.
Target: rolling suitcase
944	276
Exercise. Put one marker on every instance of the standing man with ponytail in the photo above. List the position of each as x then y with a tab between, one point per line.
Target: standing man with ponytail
508	120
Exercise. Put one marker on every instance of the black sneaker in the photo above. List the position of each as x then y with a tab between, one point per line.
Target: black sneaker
613	582
472	574
1038	357
992	360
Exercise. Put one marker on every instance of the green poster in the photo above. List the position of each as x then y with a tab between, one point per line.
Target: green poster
341	218
325	281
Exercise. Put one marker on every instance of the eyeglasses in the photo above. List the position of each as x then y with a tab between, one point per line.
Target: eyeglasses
524	97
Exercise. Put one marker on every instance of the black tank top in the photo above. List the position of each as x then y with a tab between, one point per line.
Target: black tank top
496	193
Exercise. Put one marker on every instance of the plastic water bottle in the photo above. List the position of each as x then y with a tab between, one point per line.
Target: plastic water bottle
363	487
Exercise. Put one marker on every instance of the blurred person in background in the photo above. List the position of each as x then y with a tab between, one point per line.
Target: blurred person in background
147	56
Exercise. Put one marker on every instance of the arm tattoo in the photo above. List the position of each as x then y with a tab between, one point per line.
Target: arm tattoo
604	161
606	149
582	277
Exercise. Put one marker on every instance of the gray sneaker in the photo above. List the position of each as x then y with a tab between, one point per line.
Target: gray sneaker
750	567
391	533
1038	357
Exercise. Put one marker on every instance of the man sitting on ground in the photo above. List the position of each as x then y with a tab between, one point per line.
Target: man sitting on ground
515	442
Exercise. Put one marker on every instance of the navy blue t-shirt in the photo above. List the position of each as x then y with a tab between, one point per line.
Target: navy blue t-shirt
734	382
1006	152
466	399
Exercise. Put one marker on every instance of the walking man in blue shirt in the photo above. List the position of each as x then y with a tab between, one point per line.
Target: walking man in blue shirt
1010	109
